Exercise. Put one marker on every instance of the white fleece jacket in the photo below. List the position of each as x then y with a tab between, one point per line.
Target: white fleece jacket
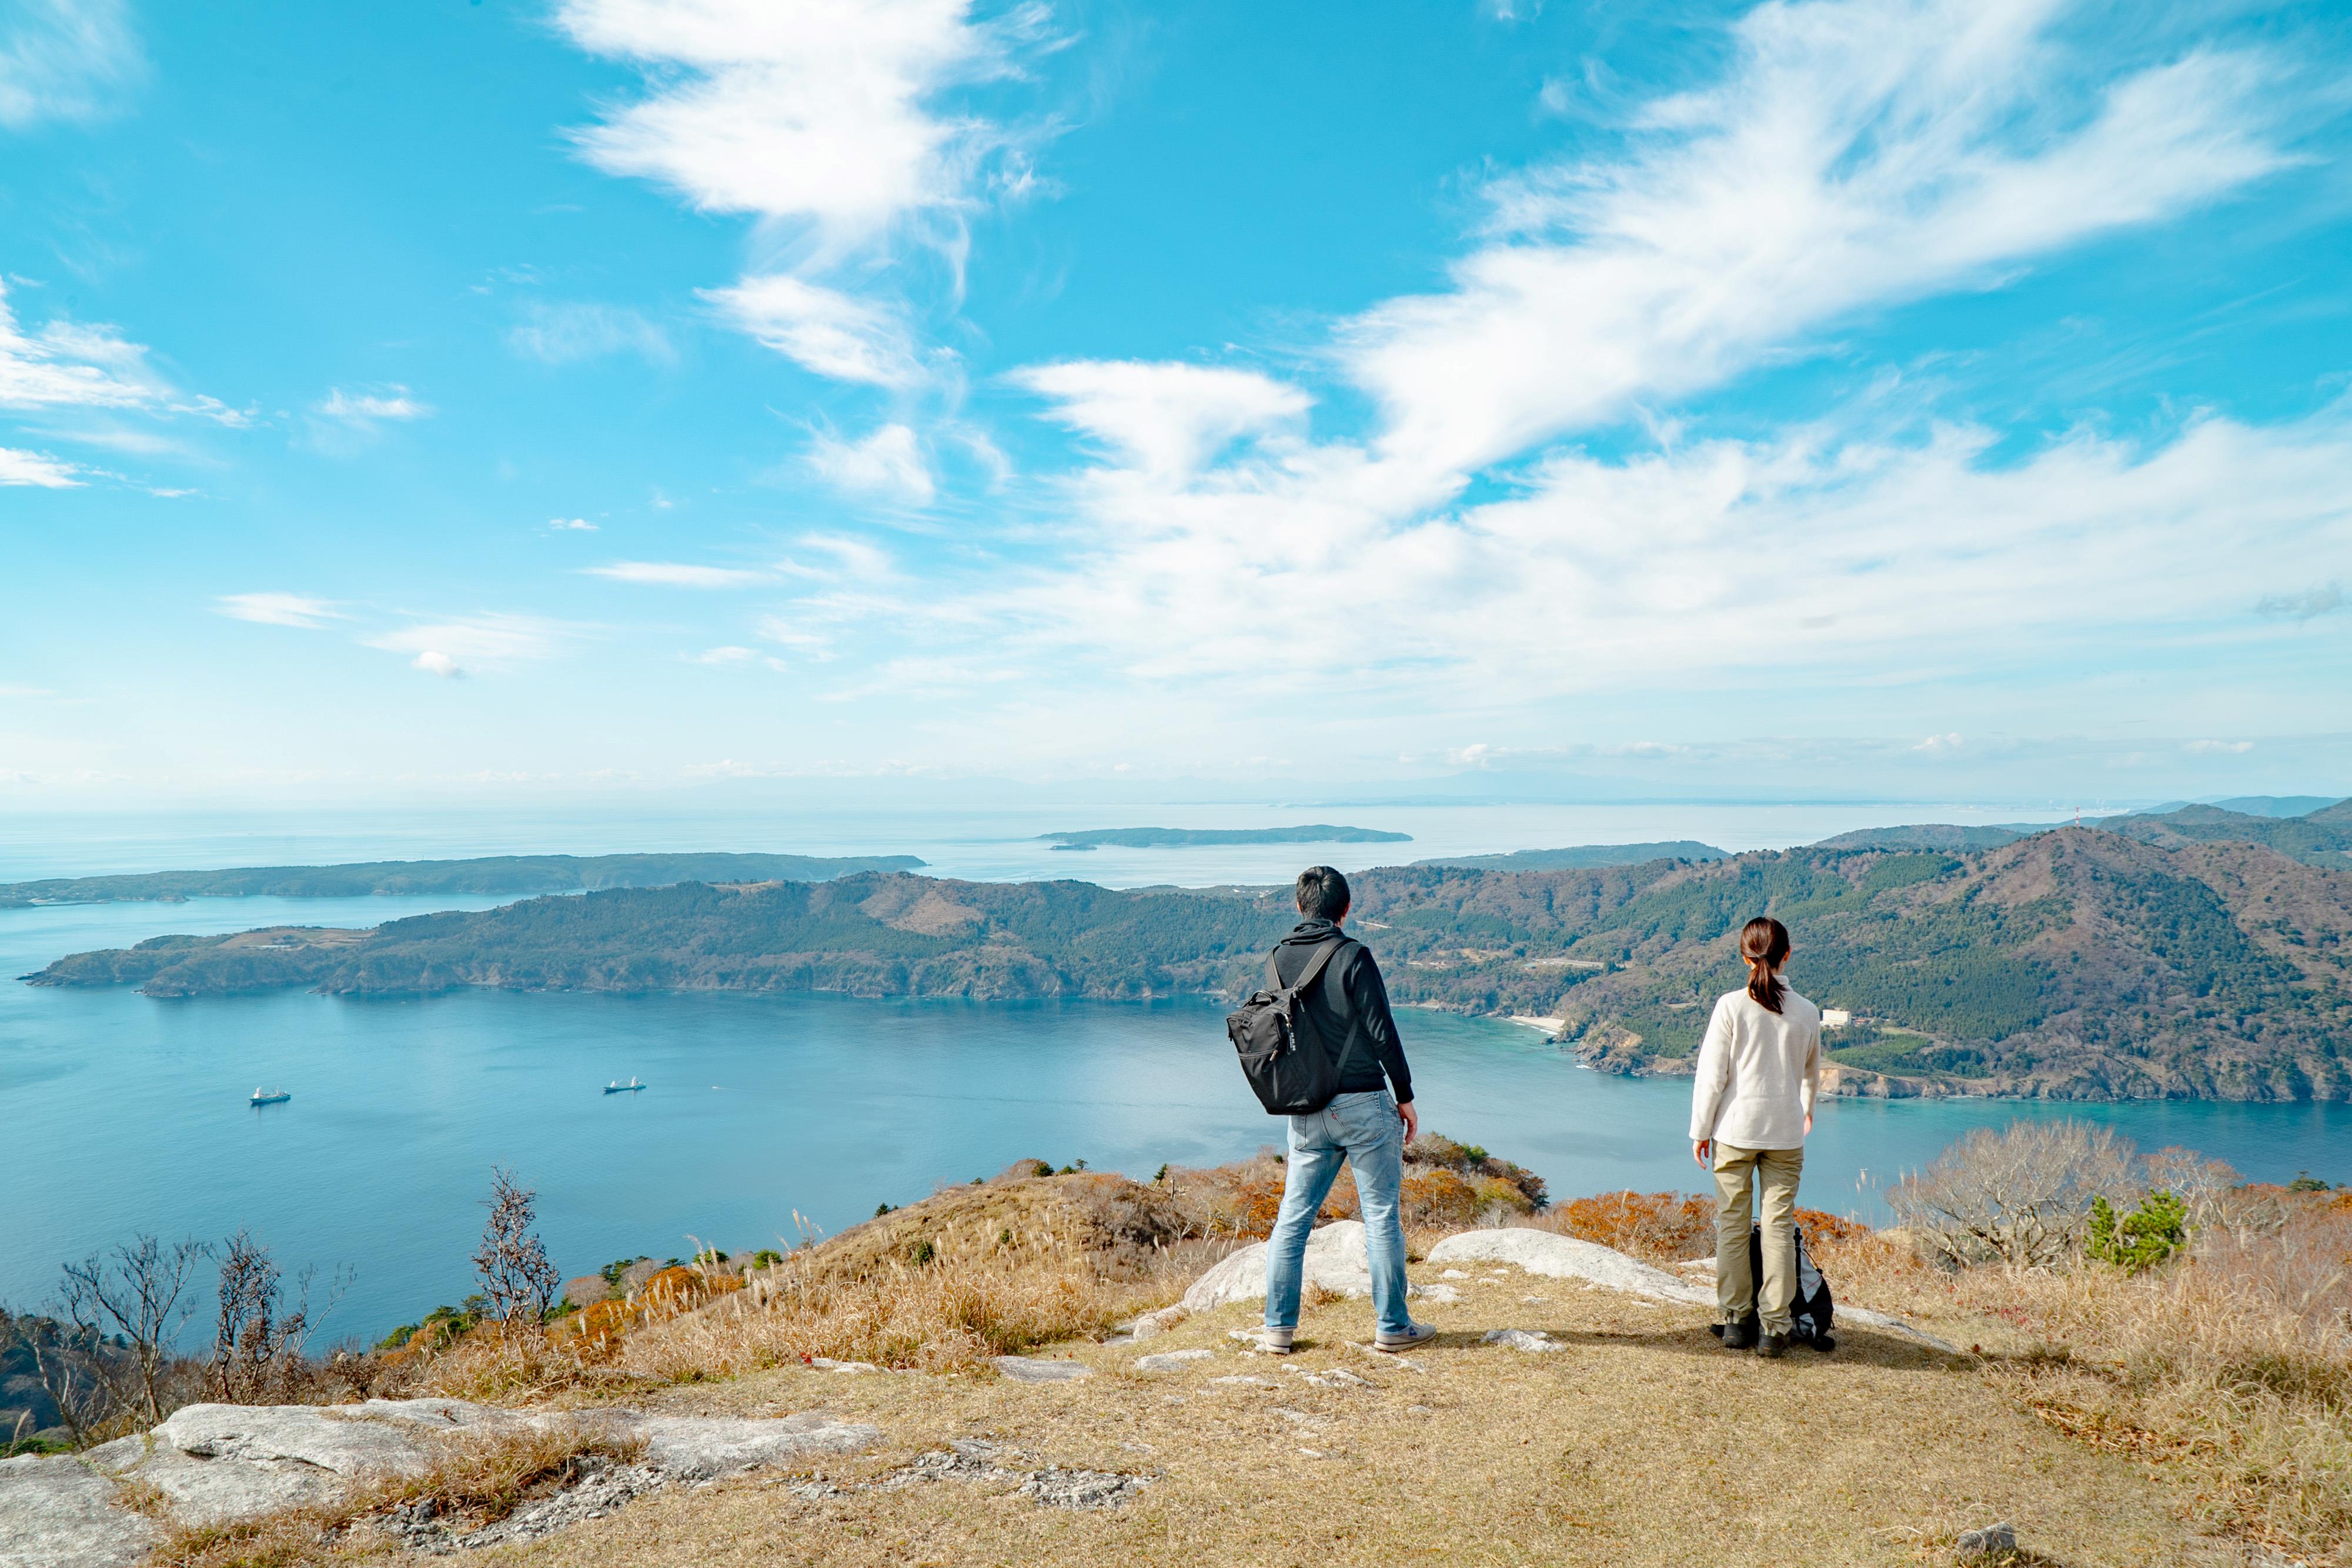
1758	1072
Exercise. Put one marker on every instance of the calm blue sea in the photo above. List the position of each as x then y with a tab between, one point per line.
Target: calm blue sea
764	1114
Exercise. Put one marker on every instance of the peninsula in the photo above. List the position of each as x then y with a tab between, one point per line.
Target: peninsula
484	875
2076	964
1202	838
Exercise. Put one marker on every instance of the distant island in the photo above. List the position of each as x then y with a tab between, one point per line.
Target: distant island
1201	838
485	875
2073	964
1583	856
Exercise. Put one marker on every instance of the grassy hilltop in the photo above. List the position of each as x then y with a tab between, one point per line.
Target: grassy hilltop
2185	1407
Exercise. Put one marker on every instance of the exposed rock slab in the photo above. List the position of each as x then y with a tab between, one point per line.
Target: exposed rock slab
55	1512
1566	1257
1023	1369
214	1463
1172	1360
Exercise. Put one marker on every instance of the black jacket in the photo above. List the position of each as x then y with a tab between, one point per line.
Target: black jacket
1348	995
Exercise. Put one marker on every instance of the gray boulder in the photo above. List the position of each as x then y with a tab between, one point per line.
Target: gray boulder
1566	1257
1172	1360
1335	1259
1992	1540
56	1512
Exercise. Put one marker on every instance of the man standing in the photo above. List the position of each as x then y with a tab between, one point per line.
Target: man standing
1349	1009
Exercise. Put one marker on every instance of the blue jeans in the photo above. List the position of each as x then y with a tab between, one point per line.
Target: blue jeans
1364	1130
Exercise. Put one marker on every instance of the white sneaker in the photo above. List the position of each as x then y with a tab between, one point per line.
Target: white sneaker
1414	1335
1275	1342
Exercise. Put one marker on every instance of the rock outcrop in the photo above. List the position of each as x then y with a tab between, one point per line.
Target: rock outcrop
213	1463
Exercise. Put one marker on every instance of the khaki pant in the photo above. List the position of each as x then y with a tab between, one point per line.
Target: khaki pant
1736	1172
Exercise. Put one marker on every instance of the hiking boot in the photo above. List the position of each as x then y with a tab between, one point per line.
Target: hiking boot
1772	1346
1740	1335
1274	1341
1414	1335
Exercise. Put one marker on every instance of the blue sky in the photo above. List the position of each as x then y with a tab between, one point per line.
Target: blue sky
515	401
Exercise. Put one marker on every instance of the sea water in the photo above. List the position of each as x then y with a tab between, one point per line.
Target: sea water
766	1118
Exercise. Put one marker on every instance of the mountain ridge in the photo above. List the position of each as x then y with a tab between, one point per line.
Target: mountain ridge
2075	964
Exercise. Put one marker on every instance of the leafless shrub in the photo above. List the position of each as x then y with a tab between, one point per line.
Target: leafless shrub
518	1283
257	1351
137	1292
2020	1195
2210	1188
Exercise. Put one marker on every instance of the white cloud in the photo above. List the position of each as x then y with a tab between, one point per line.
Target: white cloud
851	558
676	574
2221	747
65	59
1165	418
1941	743
64	365
571	525
728	656
18	466
1645	574
363	409
1858	153
818	110
888	462
279	609
463	645
566	333
827	331
1852	156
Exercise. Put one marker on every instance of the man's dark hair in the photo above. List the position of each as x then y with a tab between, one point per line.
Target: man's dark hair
1322	894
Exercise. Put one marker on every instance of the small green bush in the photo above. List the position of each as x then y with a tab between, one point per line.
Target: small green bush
2141	1240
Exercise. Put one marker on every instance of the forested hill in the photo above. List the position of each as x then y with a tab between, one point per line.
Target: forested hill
2074	964
485	875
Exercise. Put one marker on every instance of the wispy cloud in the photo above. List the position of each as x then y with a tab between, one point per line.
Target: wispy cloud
1856	153
369	408
1165	419
564	334
39	469
2221	747
570	526
64	365
466	644
279	609
825	330
66	59
888	464
676	574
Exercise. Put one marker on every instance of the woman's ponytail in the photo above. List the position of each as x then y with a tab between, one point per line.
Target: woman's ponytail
1764	944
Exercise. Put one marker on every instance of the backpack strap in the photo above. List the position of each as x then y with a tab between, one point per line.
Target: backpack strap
1322	960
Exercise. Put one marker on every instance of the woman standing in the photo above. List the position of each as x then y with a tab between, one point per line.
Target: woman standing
1758	1070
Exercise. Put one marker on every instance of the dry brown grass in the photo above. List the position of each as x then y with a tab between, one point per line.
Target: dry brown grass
475	1478
2232	1367
1640	1443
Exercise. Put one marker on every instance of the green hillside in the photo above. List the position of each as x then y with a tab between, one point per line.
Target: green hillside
2073	964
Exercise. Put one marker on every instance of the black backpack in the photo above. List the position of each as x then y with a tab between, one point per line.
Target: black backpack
1814	1313
1291	1071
